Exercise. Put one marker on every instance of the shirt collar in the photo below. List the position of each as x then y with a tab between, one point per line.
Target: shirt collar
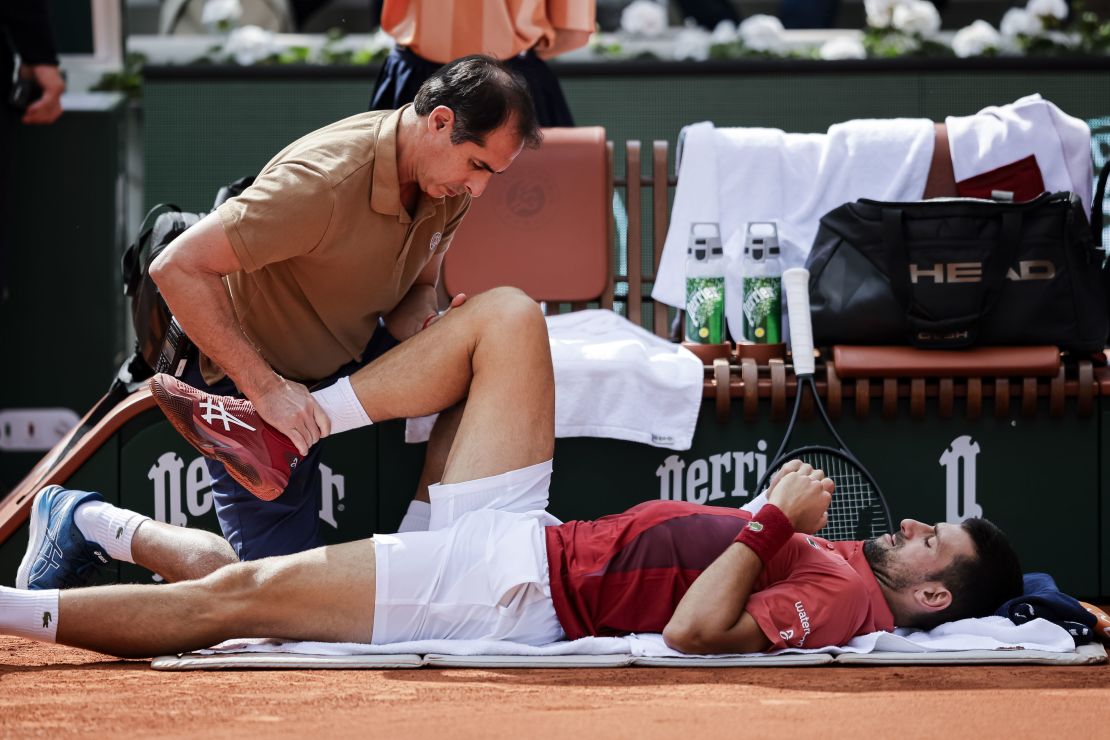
385	197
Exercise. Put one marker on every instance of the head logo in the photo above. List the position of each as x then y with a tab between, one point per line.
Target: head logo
434	241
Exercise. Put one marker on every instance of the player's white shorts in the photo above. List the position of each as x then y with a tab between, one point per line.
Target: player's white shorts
482	576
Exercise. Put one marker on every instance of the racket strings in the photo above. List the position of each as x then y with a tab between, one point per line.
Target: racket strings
855	512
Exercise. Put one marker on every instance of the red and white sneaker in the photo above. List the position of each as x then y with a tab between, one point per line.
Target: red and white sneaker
227	429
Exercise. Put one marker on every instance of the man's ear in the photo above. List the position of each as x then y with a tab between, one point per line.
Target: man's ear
441	119
932	596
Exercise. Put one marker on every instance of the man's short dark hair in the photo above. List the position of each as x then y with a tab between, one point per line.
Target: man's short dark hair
981	584
484	94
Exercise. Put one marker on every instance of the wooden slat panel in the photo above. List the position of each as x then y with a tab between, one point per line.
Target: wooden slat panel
659	225
635	230
607	296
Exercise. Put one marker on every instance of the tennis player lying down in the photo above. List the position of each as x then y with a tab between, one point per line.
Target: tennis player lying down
494	565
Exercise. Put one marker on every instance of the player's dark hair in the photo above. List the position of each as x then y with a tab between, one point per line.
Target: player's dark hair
981	584
483	93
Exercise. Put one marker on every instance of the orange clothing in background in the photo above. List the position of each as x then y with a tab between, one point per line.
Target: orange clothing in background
442	30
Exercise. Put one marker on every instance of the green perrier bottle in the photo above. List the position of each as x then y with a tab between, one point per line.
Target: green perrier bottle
705	285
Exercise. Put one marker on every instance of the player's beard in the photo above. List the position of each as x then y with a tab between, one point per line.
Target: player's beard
884	565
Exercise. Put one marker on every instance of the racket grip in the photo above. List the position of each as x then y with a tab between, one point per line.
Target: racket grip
795	283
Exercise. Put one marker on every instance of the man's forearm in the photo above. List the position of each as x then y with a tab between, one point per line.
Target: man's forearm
408	317
201	305
709	618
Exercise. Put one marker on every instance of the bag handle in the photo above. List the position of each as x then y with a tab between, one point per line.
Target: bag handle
129	262
957	331
1097	203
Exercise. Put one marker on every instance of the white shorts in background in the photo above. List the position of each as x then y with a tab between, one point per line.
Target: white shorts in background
485	577
523	490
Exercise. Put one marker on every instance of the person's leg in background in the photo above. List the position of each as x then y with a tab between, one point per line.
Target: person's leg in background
403	72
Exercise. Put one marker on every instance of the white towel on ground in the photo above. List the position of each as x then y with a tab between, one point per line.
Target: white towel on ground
738	175
616	380
987	633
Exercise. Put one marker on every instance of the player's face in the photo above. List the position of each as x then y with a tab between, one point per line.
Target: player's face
453	169
917	552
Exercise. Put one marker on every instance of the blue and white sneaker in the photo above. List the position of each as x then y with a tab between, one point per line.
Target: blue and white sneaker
58	555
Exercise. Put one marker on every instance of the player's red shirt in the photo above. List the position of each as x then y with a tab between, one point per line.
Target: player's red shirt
627	572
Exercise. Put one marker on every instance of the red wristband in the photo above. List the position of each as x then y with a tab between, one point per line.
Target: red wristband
766	533
425	324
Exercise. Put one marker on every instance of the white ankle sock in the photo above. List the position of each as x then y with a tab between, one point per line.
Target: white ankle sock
342	406
417	517
109	526
31	614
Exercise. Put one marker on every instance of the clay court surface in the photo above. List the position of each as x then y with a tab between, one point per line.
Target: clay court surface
48	691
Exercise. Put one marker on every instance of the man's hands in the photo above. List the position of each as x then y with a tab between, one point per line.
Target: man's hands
803	494
46	109
457	301
291	410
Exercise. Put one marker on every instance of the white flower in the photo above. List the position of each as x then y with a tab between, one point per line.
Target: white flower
1020	22
1057	9
975	39
761	33
644	18
842	47
221	15
917	17
692	43
250	44
880	13
725	32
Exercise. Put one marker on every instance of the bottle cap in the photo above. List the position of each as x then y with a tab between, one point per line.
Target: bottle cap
705	240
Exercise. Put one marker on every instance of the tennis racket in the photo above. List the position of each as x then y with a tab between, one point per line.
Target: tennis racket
858	510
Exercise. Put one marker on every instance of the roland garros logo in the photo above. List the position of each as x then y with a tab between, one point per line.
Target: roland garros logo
526	201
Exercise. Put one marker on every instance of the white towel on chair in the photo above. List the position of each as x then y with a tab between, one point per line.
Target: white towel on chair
739	175
615	380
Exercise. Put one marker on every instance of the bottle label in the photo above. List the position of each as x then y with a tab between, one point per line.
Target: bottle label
705	310
762	309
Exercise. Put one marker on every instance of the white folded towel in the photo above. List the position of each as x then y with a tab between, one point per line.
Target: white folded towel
988	633
616	380
1000	135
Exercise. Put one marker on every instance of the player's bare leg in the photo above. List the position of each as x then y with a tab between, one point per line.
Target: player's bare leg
493	351
178	553
323	594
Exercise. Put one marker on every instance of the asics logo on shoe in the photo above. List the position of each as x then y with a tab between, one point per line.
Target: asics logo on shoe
46	617
217	412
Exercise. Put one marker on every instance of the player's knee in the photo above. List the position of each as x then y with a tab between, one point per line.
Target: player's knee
512	306
208	556
228	591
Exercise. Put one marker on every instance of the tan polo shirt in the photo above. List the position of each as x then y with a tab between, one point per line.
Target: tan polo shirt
326	246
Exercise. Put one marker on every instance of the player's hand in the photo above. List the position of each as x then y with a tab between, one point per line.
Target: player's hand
789	467
47	108
457	301
804	495
291	410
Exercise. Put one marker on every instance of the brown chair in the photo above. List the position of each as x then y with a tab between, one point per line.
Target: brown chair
542	225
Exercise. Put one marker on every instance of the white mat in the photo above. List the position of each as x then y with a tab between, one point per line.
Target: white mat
991	640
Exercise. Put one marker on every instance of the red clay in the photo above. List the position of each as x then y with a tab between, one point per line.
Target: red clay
49	691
